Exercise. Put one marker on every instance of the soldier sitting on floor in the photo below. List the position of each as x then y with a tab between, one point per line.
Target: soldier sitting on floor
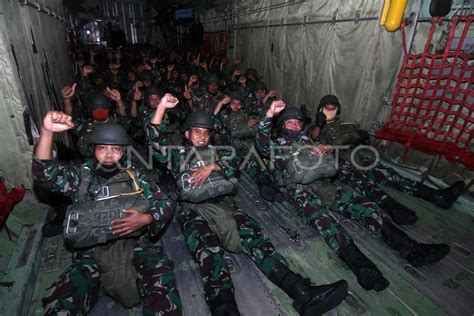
116	212
211	222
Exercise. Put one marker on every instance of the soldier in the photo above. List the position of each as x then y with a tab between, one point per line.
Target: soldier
211	222
85	83
147	78
240	126
193	82
241	129
232	81
206	100
118	253
115	76
257	104
252	77
313	196
100	111
332	131
243	87
143	105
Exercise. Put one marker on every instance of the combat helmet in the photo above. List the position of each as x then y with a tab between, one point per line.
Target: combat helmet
198	119
109	134
288	114
330	99
98	101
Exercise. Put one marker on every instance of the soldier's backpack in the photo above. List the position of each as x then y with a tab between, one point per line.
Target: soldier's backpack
304	167
117	274
214	186
87	223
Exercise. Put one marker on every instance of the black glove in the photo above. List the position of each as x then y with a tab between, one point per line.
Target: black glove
320	119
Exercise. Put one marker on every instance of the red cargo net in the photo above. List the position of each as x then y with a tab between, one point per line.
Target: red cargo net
433	101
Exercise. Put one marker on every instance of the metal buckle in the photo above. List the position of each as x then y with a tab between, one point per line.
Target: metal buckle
68	226
185	182
104	191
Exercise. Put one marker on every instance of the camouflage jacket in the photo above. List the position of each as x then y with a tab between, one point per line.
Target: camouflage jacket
237	132
279	148
255	107
245	91
52	176
339	133
175	156
279	151
203	101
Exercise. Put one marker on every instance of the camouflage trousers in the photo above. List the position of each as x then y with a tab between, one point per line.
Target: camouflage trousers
313	212
359	181
208	253
367	182
246	154
79	287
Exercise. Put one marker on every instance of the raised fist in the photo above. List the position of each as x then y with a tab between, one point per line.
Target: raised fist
168	101
55	121
226	99
272	94
252	122
276	107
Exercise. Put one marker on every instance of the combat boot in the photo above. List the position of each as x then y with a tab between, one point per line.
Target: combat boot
368	275
399	213
224	304
417	254
444	198
309	300
55	227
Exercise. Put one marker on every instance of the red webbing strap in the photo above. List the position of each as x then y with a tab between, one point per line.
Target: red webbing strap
433	99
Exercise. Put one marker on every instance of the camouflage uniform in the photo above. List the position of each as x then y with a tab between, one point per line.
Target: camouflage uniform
366	182
237	121
202	241
255	107
244	90
314	201
79	287
136	130
203	101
